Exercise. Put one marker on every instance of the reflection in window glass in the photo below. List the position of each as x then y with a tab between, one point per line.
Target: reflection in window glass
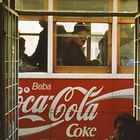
127	44
85	44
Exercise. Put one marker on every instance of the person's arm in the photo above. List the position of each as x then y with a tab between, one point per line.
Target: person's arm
94	62
77	57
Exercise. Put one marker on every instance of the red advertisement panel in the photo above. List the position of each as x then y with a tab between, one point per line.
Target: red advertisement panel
63	109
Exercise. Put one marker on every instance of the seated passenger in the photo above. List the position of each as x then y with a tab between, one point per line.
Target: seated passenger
135	133
60	43
73	54
39	57
124	124
24	65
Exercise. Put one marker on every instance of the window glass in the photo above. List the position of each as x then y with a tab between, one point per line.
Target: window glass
82	44
77	5
82	5
30	30
31	4
29	27
33	46
99	42
128	5
30	44
127	45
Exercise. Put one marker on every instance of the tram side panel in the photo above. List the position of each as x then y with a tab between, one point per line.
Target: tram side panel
63	109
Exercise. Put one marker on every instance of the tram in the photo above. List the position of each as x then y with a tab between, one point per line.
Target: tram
72	101
66	101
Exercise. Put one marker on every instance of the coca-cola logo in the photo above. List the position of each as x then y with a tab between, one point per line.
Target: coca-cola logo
62	107
86	110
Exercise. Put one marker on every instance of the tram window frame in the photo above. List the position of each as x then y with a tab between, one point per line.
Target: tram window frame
82	69
87	69
123	69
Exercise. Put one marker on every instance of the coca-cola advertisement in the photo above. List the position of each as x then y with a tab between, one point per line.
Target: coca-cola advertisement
63	109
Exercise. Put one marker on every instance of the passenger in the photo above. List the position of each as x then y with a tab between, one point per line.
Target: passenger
24	65
135	133
60	43
73	54
39	57
22	55
123	124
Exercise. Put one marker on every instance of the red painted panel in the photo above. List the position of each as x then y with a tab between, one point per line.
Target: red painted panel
63	109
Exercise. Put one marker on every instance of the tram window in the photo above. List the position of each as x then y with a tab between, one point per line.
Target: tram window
94	52
35	56
127	45
127	5
30	30
31	4
30	44
82	5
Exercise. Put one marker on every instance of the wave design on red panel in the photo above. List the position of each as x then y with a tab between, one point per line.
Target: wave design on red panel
125	93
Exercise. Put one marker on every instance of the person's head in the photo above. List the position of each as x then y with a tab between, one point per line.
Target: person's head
123	125
43	23
135	133
80	34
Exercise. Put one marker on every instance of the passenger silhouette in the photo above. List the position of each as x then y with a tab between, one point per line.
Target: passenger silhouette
135	133
73	54
39	57
123	124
